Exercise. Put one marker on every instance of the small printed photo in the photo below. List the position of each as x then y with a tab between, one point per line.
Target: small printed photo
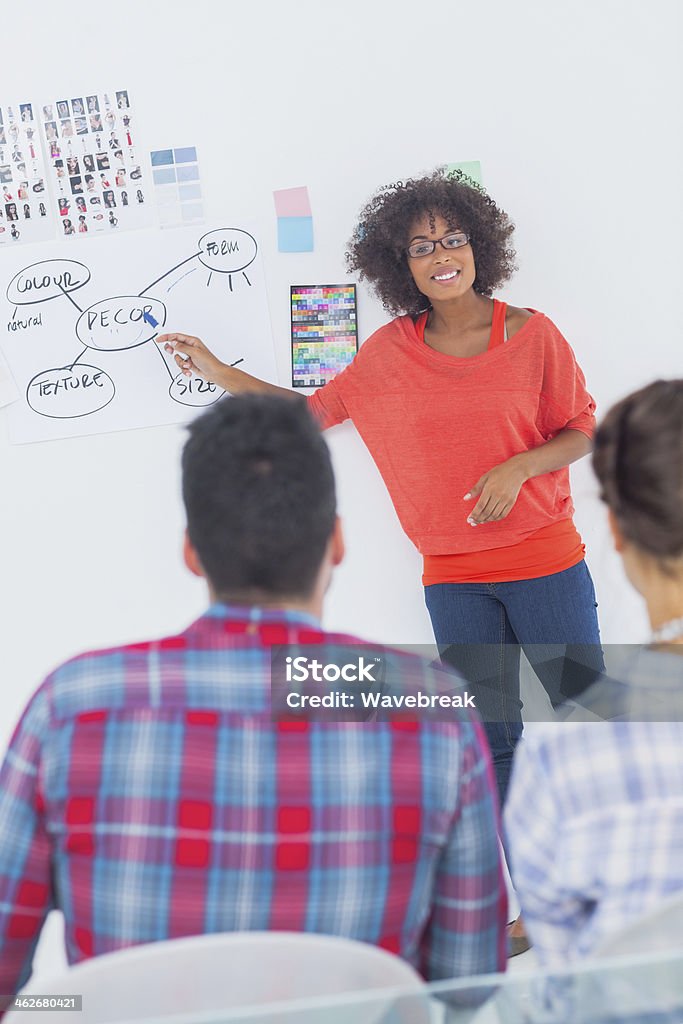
104	180
38	186
68	227
42	210
121	178
26	111
76	185
94	200
93	104
136	173
118	155
82	223
95	123
80	203
90	183
122	100
27	211
124	198
63	109
17	155
113	141
81	125
67	129
21	168
126	120
102	161
139	196
59	168
72	165
110	118
50	130
48	112
22	190
54	150
77	106
11	211
63	207
113	220
109	199
89	162
14	233
5	173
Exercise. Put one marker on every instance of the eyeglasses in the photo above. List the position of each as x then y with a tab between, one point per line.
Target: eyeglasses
427	246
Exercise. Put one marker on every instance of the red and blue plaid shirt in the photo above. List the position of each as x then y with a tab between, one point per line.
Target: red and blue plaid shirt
147	793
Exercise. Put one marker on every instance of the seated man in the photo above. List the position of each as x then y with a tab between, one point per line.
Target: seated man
148	792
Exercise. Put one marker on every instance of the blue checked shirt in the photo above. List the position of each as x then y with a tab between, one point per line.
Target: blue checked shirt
148	794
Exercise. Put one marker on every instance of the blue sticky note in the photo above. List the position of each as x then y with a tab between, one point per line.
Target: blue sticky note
295	234
186	155
162	157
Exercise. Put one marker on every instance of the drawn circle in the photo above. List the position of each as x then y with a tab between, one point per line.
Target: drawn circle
69	392
48	279
227	250
194	391
121	322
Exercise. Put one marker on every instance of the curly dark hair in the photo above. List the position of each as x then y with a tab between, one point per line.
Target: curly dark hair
377	248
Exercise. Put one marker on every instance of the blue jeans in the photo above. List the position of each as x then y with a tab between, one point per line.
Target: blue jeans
479	628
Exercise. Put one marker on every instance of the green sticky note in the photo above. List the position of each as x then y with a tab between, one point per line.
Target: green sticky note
472	168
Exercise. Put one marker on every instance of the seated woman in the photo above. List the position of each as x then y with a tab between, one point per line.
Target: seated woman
594	818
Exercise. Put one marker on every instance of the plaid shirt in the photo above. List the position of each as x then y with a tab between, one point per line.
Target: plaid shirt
148	794
594	816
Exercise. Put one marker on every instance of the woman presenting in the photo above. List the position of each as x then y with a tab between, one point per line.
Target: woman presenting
472	411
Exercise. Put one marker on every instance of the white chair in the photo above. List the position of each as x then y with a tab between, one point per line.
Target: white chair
659	930
214	975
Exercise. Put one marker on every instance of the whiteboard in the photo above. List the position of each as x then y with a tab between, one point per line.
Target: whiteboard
81	327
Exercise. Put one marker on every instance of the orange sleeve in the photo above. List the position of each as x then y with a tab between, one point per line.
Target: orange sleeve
327	405
565	400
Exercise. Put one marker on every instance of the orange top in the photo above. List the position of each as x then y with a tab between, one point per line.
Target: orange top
434	423
551	549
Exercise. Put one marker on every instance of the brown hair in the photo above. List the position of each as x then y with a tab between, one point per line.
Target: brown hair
638	460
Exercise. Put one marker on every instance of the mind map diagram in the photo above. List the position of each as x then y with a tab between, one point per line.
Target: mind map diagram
77	386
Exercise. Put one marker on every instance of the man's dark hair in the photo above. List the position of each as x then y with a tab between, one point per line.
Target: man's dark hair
377	249
259	495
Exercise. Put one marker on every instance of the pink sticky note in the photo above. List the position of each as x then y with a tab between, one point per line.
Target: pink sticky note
292	202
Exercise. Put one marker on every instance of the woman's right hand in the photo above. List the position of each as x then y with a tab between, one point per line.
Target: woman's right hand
192	356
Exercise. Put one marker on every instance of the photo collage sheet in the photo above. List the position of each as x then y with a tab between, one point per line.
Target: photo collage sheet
94	164
24	212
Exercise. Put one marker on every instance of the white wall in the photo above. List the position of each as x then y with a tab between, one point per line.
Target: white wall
573	110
